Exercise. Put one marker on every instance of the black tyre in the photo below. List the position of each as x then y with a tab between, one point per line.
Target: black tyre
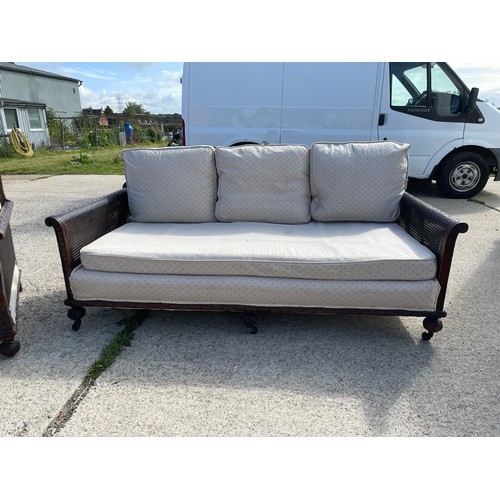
463	175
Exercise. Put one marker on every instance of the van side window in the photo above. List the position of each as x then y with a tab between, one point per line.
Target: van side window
424	89
409	84
446	95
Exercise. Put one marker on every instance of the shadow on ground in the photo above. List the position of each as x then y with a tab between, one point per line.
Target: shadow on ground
335	359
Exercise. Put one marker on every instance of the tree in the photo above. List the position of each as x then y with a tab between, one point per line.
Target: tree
108	111
134	107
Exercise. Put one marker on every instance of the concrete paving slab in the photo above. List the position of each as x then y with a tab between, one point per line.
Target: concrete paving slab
203	374
53	359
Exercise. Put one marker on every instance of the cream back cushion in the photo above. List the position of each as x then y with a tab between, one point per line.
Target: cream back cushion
176	184
263	183
358	181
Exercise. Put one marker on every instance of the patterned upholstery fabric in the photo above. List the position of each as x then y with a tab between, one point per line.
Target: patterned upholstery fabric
254	291
324	251
263	184
176	184
358	181
266	251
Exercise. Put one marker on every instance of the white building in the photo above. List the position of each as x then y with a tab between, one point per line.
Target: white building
26	94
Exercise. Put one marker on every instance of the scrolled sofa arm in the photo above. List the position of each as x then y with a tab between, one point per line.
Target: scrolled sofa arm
434	229
80	226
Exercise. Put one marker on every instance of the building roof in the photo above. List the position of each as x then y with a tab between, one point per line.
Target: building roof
16	103
95	111
10	66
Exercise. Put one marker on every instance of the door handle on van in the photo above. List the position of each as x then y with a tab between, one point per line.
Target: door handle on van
381	119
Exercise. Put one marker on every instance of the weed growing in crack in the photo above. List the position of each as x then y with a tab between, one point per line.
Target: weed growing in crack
106	359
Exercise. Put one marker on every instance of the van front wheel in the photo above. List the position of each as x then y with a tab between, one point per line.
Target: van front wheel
463	175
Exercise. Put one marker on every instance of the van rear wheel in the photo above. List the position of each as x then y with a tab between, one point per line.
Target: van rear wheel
463	175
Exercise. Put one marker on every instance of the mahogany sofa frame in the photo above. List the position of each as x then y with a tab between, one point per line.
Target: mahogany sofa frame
79	227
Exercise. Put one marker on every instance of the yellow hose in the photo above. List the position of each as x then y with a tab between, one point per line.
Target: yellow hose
20	142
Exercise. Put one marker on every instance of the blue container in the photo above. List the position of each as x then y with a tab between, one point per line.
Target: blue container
129	130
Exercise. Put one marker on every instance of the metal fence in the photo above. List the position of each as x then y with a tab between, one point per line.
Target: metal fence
102	131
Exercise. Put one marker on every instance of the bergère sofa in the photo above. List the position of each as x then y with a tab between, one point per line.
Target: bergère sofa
323	229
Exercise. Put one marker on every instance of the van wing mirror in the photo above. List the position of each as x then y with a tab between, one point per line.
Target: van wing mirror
471	103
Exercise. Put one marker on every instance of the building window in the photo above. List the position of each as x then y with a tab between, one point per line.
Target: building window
34	118
11	118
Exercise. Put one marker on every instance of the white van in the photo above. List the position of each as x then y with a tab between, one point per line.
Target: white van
455	138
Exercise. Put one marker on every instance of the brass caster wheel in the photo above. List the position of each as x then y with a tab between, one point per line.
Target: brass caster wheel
76	314
432	325
427	335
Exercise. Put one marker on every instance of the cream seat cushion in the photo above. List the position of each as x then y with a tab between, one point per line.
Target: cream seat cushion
263	183
322	251
358	181
172	184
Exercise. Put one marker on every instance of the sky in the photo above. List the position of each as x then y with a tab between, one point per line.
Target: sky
156	85
269	31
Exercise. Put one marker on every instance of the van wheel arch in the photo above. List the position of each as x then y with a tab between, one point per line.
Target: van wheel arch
243	144
464	172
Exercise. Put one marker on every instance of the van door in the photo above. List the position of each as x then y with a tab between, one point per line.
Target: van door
422	103
232	103
331	102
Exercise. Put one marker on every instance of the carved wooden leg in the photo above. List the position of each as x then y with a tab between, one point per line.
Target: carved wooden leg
10	347
432	325
76	313
249	320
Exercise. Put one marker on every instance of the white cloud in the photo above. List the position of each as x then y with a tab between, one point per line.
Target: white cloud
158	95
484	75
86	73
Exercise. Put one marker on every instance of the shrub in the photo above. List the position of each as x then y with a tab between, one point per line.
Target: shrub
154	133
6	150
82	158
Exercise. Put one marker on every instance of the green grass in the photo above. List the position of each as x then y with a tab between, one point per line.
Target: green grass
115	347
82	161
